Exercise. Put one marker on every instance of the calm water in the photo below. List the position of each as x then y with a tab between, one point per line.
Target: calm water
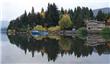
26	49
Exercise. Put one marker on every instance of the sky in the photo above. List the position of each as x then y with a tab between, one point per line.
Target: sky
11	9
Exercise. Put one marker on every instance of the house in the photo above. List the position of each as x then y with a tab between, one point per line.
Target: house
94	25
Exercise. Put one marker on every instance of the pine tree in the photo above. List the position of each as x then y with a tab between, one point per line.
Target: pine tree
23	20
71	13
100	16
78	18
52	15
91	14
62	10
32	12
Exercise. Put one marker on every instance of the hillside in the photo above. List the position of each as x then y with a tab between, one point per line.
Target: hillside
3	26
105	10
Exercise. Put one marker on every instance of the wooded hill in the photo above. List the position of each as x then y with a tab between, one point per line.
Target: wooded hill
52	16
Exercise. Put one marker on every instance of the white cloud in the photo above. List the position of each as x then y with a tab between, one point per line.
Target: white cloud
14	8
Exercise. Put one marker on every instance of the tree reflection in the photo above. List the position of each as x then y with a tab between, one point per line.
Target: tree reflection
54	45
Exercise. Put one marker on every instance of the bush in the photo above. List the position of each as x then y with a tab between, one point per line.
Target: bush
105	30
106	33
55	28
40	28
81	32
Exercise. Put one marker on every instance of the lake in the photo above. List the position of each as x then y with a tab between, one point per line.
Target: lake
27	49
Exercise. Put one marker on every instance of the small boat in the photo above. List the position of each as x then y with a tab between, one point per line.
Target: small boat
34	32
39	33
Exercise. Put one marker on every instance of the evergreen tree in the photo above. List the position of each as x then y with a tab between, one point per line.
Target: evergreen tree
91	14
52	15
100	16
71	13
32	18
85	13
32	10
23	20
80	15
62	10
78	18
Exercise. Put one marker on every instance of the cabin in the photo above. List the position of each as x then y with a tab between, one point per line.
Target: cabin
94	25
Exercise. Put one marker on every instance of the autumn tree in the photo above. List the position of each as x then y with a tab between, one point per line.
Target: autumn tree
65	22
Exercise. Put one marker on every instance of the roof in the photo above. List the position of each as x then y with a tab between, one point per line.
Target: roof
95	21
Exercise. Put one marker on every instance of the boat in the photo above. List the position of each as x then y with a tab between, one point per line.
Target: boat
39	33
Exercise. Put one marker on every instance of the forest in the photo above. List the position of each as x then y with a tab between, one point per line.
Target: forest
51	18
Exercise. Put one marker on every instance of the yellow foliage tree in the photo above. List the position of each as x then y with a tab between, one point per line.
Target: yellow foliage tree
40	28
65	22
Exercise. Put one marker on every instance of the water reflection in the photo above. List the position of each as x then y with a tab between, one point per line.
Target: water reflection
54	45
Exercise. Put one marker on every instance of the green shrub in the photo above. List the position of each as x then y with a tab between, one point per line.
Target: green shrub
54	28
105	30
81	32
105	33
40	28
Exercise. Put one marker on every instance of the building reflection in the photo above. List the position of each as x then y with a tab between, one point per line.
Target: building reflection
94	40
54	45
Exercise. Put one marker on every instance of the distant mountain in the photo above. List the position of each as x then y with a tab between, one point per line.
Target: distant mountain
104	10
3	26
3	30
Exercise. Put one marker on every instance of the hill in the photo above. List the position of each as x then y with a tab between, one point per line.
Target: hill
3	26
104	10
